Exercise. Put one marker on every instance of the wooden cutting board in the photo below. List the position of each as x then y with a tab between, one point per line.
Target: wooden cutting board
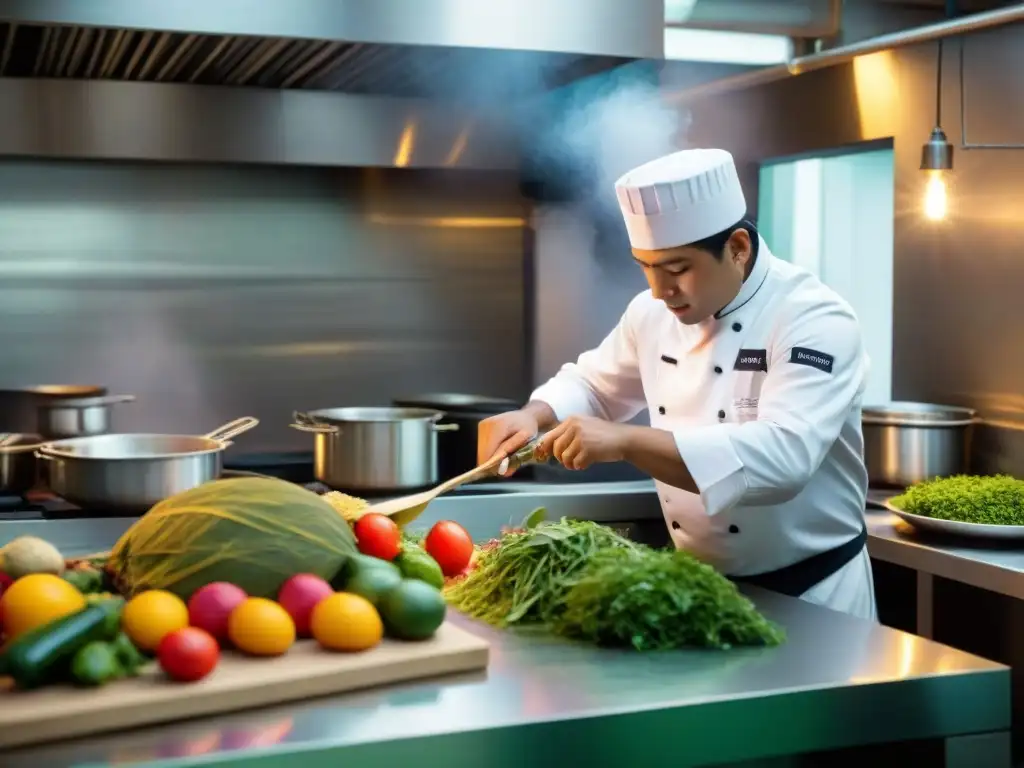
238	683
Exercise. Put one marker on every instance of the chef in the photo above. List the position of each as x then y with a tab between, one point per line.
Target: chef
752	371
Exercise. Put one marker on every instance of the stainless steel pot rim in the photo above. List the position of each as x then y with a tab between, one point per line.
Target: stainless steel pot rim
373	415
57	390
910	414
65	449
79	403
192	445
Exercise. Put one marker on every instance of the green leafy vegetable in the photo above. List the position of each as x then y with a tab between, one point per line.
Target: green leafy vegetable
991	499
522	577
535	518
583	580
657	600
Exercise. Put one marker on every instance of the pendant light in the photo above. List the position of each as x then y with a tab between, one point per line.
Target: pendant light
936	156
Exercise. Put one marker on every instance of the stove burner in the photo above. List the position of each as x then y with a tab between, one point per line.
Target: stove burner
18	508
42	505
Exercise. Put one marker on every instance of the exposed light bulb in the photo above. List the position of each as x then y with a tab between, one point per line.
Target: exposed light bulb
935	197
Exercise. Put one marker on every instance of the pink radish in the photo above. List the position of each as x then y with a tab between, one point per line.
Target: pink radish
299	596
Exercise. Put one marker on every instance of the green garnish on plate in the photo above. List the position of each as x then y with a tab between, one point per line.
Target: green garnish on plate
981	499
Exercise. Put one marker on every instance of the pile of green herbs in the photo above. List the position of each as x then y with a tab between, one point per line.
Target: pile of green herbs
986	499
582	580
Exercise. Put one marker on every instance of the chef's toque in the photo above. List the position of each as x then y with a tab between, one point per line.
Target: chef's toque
680	198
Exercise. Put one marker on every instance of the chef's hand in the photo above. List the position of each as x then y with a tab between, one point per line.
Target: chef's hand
580	441
504	434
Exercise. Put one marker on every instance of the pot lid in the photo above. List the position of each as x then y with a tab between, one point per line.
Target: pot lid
453	402
57	390
366	415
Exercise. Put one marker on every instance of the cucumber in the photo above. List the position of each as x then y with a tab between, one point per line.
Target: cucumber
40	655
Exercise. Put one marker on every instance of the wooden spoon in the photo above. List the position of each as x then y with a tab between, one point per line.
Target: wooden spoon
405	509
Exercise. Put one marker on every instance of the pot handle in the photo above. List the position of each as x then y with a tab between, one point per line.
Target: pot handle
43	455
115	399
81	403
234	428
445	427
8	449
306	423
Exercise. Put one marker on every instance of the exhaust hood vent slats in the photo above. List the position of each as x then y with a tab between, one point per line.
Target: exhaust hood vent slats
281	63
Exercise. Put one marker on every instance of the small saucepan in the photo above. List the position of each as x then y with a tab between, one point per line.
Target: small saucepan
78	417
18	406
129	473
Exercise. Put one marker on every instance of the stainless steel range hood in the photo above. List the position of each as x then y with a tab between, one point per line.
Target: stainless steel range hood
476	49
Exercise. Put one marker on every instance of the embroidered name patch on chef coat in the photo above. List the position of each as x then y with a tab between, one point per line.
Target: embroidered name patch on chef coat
813	358
751	360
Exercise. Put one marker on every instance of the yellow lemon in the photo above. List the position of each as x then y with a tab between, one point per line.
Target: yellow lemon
37	599
346	622
151	615
261	627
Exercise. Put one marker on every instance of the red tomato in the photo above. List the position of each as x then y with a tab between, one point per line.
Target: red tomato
451	546
378	536
188	654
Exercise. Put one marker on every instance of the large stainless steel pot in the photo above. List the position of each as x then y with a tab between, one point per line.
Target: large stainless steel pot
129	473
906	443
18	467
374	449
18	407
79	417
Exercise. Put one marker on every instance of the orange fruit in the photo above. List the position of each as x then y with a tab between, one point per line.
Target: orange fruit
346	622
261	627
151	615
37	599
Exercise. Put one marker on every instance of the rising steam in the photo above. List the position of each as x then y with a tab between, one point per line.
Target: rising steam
592	132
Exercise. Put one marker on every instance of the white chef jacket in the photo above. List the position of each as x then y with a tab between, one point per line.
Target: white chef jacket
764	402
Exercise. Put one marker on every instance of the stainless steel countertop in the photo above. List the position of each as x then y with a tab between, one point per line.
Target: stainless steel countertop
823	689
837	682
994	566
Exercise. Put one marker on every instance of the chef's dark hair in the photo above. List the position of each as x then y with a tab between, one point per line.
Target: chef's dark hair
715	245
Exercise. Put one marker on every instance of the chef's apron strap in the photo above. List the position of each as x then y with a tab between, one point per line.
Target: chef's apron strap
794	580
